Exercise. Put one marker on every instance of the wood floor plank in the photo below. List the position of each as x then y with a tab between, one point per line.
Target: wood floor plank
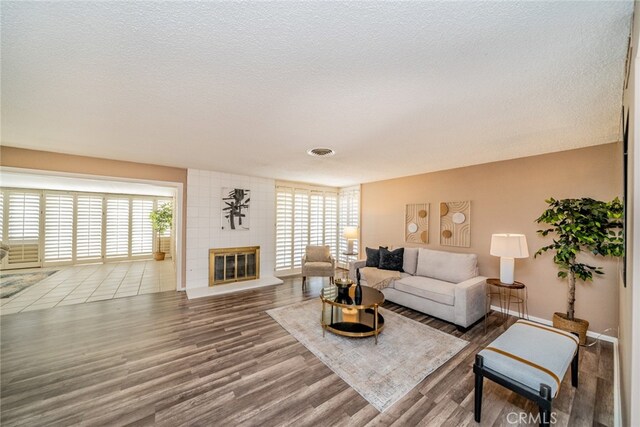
161	359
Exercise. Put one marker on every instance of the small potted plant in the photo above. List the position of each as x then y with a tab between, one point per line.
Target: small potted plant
580	225
161	220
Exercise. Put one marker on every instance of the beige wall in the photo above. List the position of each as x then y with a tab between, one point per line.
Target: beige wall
48	161
506	197
627	328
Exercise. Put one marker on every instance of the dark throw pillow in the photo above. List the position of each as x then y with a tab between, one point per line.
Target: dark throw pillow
391	260
373	257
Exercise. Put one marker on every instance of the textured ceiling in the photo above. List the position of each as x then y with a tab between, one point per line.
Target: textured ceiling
396	88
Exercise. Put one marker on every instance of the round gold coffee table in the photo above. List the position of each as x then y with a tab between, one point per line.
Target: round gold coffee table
343	315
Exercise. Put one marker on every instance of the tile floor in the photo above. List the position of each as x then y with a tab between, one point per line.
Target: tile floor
94	282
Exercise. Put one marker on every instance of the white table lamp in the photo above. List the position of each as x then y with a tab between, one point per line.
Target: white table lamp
508	247
350	233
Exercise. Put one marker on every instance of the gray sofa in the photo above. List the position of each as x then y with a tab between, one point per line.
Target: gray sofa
442	284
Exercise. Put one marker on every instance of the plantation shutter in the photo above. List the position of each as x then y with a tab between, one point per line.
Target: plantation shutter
117	243
58	227
23	230
165	237
331	222
349	215
284	228
141	229
316	218
89	227
300	226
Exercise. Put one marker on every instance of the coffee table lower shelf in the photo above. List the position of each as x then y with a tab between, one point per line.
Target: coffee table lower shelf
365	326
352	329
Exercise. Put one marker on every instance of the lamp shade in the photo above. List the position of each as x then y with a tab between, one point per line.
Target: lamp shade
350	233
509	245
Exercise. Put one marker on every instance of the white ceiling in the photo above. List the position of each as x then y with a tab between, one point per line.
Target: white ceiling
396	88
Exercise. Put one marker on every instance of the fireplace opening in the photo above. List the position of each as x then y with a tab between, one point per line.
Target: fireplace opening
227	265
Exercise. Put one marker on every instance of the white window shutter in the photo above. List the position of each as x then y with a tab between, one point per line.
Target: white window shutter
300	226
58	227
331	222
284	228
349	215
89	227
141	229
166	236
23	228
117	243
316	218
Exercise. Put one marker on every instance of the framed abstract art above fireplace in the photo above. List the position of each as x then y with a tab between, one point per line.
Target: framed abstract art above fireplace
235	209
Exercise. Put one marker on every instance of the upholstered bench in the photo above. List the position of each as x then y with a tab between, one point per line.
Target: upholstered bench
530	359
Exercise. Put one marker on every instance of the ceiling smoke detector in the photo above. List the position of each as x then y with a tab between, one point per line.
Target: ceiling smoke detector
321	152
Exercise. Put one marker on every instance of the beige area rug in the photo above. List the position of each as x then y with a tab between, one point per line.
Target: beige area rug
406	353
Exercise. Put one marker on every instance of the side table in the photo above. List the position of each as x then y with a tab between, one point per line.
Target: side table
515	293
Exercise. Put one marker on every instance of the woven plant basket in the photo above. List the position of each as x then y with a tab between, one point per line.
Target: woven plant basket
576	325
158	256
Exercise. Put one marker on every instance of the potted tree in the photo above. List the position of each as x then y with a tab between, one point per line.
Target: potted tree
161	220
580	225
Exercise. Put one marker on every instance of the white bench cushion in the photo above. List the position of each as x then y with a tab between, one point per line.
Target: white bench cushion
532	354
425	287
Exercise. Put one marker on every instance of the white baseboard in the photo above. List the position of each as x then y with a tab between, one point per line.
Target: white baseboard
547	322
617	404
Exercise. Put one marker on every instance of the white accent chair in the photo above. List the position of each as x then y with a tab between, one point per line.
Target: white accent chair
317	261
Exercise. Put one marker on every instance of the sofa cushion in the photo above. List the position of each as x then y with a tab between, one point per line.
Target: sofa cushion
373	257
447	266
426	287
318	253
410	260
391	260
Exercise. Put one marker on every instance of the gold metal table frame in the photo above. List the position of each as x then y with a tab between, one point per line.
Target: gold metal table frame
348	319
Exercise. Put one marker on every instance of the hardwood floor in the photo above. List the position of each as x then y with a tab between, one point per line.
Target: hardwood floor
162	359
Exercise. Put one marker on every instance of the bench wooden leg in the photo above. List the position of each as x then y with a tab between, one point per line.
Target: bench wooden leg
477	409
544	405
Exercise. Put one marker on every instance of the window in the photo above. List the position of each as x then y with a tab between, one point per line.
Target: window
141	229
284	228
304	215
349	208
117	227
165	237
88	227
58	227
300	226
23	228
331	222
54	227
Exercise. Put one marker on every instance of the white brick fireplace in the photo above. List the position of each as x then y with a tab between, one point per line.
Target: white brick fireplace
204	231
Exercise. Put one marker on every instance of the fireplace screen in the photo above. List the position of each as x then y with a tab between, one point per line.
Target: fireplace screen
228	265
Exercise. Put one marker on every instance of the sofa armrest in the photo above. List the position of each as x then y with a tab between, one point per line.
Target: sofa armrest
354	265
470	301
333	262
